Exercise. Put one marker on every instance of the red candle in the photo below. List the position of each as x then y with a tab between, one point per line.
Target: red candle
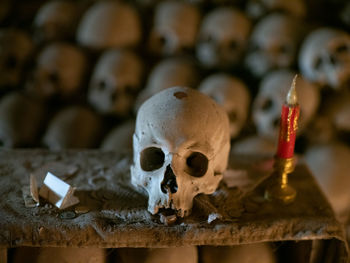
289	124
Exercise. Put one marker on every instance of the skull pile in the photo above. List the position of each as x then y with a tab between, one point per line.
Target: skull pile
181	146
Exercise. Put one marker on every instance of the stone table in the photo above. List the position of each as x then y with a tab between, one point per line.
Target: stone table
116	215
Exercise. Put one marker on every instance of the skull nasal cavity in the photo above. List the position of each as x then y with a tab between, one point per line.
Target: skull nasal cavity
169	181
151	158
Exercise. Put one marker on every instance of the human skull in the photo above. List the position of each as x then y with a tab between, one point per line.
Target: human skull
223	37
16	49
56	20
60	70
274	44
181	147
21	120
324	57
73	127
258	8
115	82
168	73
329	164
119	138
232	94
109	24
175	27
271	96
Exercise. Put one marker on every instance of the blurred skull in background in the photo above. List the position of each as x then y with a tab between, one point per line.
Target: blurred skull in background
324	58
56	20
223	38
21	120
60	70
73	127
175	28
256	9
109	24
168	73
232	94
16	49
116	80
119	138
272	94
274	44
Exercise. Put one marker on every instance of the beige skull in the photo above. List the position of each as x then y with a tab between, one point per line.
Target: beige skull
73	127
272	94
56	20
109	24
60	70
168	73
260	8
21	119
116	80
223	37
274	44
324	57
181	147
16	49
175	27
233	95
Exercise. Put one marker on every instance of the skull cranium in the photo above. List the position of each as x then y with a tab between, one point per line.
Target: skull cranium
181	146
109	24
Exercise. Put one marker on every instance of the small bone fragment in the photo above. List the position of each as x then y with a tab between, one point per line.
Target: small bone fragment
58	192
28	200
167	220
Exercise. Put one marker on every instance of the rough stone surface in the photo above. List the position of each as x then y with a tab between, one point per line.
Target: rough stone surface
118	215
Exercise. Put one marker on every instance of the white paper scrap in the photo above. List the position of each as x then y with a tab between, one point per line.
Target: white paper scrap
58	192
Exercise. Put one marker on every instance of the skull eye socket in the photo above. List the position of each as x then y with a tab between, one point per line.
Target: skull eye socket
197	164
151	159
233	116
284	49
342	48
53	77
233	45
11	62
101	85
266	105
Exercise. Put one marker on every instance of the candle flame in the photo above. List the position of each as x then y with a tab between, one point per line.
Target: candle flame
292	98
